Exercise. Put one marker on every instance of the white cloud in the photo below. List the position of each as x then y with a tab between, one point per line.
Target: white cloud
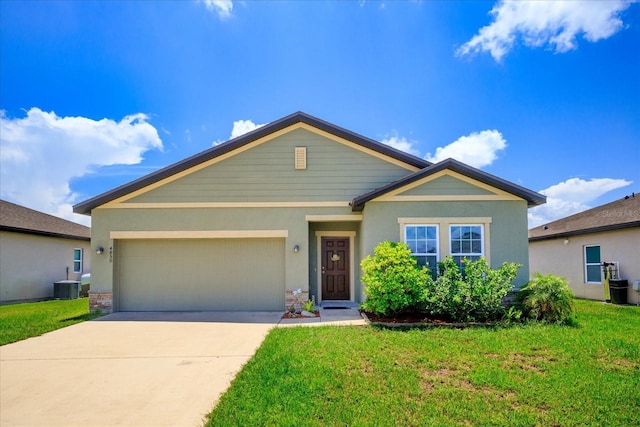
41	153
555	24
401	143
478	149
222	7
570	197
240	127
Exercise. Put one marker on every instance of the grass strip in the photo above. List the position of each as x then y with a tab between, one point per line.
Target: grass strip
22	321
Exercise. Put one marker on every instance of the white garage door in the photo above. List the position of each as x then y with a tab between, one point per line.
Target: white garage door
200	274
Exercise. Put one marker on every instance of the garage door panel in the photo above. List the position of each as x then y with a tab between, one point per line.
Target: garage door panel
191	275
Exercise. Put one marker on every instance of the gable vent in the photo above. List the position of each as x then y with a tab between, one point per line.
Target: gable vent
300	158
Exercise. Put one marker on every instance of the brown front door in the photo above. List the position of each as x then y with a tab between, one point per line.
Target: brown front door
335	268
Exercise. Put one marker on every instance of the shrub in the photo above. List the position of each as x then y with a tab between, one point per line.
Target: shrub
548	298
475	295
394	282
444	295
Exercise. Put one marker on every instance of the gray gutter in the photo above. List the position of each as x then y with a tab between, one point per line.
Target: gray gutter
43	233
586	231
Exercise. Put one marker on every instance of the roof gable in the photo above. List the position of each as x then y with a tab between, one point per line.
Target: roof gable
21	219
445	183
334	171
619	214
247	141
490	184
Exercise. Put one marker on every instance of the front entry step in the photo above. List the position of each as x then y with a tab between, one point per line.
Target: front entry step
336	305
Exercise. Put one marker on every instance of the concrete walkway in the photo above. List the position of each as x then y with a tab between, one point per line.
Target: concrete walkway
338	317
142	369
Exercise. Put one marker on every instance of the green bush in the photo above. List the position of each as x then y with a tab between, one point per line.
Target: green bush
548	298
394	283
475	295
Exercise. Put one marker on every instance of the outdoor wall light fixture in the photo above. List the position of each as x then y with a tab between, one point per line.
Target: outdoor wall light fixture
296	248
566	241
100	250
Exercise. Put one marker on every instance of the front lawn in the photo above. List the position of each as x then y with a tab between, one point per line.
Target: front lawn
523	375
21	321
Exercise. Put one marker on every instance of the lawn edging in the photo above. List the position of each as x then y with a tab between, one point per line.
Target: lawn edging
425	325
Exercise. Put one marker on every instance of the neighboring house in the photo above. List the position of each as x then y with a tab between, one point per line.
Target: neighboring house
295	204
575	247
37	250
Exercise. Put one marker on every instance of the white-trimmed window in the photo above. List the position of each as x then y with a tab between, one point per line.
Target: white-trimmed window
432	238
423	241
592	266
77	260
466	241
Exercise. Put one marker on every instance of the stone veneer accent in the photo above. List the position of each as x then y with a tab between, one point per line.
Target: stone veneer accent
101	300
290	299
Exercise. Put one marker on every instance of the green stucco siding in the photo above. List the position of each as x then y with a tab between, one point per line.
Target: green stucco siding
266	173
296	274
508	228
335	172
508	234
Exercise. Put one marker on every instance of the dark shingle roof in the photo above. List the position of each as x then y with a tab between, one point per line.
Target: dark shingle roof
299	117
532	198
20	219
623	213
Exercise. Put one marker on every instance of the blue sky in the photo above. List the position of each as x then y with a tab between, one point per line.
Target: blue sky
544	94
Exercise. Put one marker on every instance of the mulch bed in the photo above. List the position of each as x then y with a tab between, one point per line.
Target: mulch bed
416	320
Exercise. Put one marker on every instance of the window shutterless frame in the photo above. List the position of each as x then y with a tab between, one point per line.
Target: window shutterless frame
466	241
424	244
592	264
443	227
77	260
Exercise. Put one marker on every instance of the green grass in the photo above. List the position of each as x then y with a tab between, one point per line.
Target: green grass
525	375
21	321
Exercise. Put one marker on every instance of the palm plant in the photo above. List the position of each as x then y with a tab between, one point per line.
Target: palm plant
548	298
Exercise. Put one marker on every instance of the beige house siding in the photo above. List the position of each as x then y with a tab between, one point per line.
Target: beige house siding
30	264
565	257
266	173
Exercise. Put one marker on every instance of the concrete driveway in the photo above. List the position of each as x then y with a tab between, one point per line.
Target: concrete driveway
133	369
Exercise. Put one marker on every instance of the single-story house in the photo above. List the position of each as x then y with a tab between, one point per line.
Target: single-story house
295	204
37	250
576	246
